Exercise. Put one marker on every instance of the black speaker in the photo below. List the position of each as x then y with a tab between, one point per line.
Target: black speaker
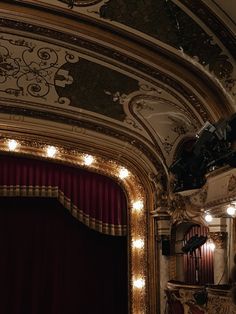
165	246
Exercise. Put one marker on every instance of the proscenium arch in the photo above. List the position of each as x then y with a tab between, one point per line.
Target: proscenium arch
137	188
154	64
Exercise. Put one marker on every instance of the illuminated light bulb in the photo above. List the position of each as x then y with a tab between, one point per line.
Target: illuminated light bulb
123	173
211	246
231	210
138	205
208	218
138	244
51	151
139	283
12	145
88	160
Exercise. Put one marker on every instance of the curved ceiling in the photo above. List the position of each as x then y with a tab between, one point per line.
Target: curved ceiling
148	73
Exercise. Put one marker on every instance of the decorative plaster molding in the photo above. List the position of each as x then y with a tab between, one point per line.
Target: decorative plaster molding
181	210
116	55
219	190
31	69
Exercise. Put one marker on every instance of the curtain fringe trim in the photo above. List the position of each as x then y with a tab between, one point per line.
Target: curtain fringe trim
54	192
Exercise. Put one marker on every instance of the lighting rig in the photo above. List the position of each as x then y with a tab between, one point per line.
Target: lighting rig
214	146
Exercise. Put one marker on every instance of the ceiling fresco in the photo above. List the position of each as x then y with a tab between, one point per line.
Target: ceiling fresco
97	88
63	73
171	23
38	73
125	80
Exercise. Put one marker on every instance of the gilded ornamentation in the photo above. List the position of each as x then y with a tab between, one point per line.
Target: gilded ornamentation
160	194
30	70
219	239
220	304
81	125
177	209
135	192
180	210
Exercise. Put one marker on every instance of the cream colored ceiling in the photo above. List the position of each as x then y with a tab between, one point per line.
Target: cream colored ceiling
228	7
161	94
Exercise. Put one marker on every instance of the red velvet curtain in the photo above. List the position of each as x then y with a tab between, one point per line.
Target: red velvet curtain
93	199
205	259
50	263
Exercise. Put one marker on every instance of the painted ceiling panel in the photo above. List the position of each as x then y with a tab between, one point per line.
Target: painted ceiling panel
104	83
35	73
39	72
168	22
97	88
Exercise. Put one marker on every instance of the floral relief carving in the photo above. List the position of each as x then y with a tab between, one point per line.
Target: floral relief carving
31	70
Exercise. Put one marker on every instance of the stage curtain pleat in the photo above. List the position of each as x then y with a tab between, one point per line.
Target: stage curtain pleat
96	200
50	263
204	256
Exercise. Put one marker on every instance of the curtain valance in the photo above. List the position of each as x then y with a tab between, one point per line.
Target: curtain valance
95	200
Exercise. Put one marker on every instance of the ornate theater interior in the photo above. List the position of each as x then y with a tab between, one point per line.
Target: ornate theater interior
117	156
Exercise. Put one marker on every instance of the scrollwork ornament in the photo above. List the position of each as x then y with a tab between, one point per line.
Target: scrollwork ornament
30	70
181	210
160	193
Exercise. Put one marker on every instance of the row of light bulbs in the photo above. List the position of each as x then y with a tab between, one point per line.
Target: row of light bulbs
88	160
231	210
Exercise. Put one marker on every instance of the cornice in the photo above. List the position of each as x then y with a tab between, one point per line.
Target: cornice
104	129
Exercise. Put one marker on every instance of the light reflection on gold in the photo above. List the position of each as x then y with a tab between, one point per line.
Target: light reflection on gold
88	160
138	243
12	145
123	173
137	205
139	283
135	193
51	151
